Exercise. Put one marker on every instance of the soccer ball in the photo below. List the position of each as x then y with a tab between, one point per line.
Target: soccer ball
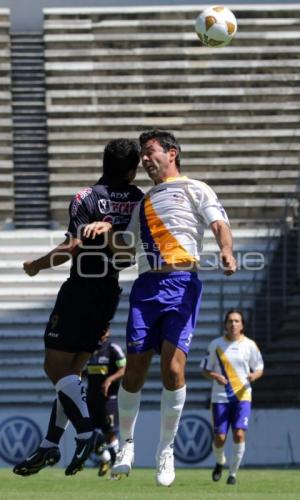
216	26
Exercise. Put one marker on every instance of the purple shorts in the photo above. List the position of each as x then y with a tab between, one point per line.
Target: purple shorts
235	414
163	306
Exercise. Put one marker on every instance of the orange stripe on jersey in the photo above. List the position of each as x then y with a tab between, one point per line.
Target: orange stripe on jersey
170	249
239	389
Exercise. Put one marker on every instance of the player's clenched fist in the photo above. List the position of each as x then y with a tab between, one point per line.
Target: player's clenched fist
229	262
29	268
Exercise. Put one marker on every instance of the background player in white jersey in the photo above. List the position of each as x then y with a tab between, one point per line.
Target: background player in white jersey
167	228
233	361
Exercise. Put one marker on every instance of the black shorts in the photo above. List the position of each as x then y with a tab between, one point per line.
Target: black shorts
82	312
103	412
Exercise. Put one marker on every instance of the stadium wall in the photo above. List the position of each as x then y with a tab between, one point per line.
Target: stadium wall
20	434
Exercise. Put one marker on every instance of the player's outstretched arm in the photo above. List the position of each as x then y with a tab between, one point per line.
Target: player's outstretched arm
223	237
59	255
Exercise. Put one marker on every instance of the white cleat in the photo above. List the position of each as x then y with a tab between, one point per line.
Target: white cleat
124	461
165	472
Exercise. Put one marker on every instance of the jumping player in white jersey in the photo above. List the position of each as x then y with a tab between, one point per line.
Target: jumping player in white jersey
233	362
167	228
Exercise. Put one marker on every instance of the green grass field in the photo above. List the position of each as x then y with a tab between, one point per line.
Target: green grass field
190	484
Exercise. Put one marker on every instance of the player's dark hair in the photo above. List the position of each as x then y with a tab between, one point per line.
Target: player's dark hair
166	139
237	311
119	157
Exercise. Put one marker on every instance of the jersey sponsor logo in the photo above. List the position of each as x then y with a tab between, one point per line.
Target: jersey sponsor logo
53	334
194	439
97	370
120	196
78	199
115	207
19	438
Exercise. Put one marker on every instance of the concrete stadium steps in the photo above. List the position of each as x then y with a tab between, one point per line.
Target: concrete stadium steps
6	163
114	72
30	131
27	302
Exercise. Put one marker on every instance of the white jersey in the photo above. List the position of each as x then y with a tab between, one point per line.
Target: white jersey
168	224
234	360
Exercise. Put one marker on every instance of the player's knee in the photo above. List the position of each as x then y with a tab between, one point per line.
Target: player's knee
173	377
219	440
132	382
239	436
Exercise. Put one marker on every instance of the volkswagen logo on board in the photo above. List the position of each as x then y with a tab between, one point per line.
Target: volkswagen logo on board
19	438
194	439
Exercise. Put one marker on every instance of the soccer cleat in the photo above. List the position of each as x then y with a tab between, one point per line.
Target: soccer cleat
37	461
231	480
103	468
217	472
83	450
124	460
165	472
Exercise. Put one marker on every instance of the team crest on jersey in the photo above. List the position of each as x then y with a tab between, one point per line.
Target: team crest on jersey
104	206
179	198
78	199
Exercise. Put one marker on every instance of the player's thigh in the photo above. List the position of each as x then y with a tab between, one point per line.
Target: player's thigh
137	365
173	361
180	315
59	364
79	361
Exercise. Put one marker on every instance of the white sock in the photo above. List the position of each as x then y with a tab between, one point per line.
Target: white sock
72	395
114	445
219	454
238	451
129	405
172	403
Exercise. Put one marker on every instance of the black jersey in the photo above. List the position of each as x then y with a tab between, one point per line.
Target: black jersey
100	202
105	362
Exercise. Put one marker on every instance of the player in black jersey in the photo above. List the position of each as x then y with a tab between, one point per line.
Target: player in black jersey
104	371
85	303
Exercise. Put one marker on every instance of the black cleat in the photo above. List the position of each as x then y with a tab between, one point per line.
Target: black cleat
37	461
231	480
217	472
83	449
103	468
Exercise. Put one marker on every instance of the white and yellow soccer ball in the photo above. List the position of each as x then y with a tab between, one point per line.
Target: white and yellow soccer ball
216	26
